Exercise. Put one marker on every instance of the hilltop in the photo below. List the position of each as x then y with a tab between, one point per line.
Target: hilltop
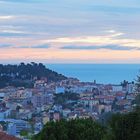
25	74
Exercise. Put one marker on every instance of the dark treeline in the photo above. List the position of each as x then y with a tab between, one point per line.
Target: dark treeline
119	127
24	74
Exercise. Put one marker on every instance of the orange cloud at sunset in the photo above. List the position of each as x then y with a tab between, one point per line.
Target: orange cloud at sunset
88	56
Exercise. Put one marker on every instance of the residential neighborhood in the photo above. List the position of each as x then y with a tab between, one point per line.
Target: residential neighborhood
24	111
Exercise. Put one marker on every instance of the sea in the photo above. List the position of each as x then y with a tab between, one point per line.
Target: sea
102	73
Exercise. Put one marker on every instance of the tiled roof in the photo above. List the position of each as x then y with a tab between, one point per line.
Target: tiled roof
4	136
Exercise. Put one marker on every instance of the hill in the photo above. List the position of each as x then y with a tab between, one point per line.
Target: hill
25	74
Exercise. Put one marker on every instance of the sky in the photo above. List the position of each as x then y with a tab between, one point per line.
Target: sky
70	31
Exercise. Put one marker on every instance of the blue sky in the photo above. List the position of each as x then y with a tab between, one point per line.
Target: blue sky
106	31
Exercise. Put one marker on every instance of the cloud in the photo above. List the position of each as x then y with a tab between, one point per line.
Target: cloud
108	47
115	9
70	26
5	45
111	41
43	46
13	31
13	34
115	40
6	17
70	56
24	1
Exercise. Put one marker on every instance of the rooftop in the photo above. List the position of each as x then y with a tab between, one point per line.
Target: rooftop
4	136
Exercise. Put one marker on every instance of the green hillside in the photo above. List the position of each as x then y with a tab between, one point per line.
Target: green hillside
25	74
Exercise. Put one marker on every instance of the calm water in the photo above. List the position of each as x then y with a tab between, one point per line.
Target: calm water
102	73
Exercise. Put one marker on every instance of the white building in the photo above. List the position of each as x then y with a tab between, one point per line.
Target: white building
116	88
2	95
130	88
59	90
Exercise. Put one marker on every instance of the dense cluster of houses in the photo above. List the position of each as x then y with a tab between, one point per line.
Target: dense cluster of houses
23	109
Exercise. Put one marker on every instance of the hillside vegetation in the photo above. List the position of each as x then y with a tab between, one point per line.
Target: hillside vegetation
25	74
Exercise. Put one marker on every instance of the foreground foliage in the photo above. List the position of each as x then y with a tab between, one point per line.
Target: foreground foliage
125	126
78	129
119	127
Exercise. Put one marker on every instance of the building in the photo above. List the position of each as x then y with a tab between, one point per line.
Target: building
4	113
56	116
116	88
39	100
2	95
16	126
59	90
130	88
66	112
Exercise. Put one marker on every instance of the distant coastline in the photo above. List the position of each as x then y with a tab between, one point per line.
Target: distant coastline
102	73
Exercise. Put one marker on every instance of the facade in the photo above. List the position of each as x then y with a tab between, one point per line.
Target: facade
116	88
16	126
59	90
4	113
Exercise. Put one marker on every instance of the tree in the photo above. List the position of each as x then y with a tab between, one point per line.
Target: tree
137	90
23	74
137	100
52	137
138	84
78	129
125	126
24	133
